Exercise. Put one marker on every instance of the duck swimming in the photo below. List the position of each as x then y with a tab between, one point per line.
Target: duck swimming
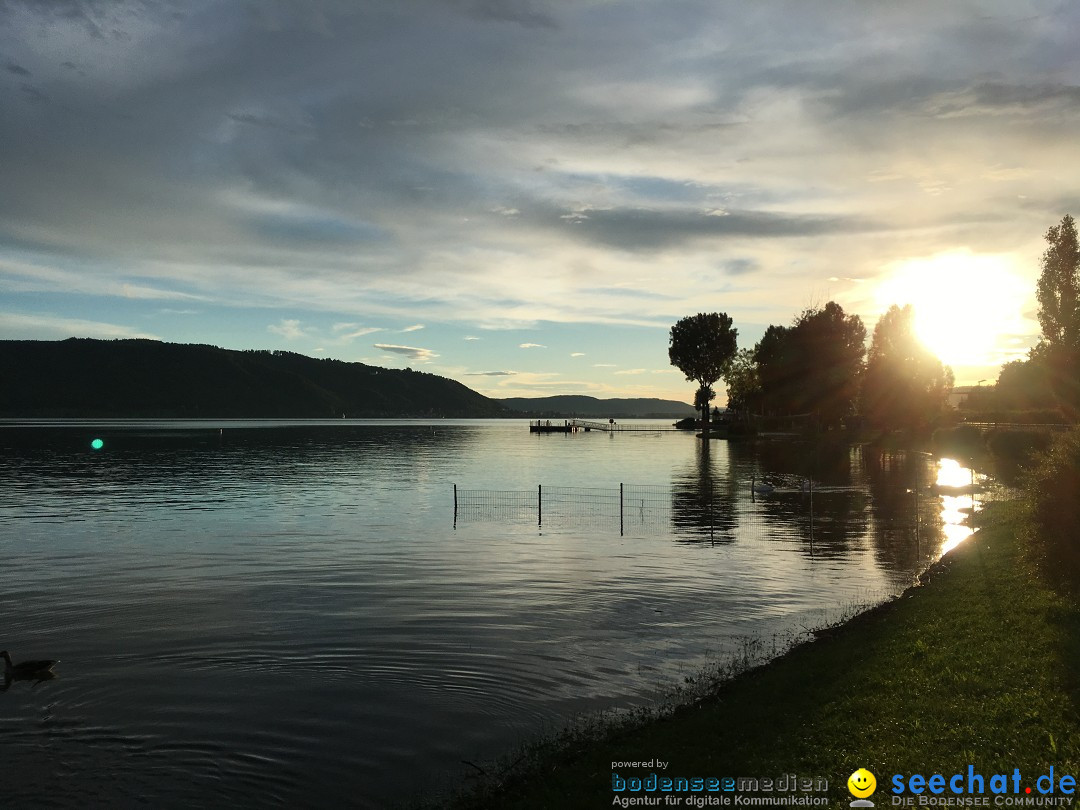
27	670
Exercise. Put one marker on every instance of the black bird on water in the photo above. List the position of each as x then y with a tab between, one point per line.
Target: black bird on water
27	670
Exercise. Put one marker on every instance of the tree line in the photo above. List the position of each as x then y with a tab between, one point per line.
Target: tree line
81	377
1048	379
817	369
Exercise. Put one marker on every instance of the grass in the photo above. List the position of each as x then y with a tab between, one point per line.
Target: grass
980	666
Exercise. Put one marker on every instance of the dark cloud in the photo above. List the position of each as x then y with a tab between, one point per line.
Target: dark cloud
893	95
18	70
741	267
997	96
263	121
623	134
628	293
31	93
522	12
645	229
299	230
409	351
85	14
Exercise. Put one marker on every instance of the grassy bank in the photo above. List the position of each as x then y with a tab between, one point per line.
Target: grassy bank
980	666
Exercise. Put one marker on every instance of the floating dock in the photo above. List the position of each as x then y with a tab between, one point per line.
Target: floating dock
611	426
546	426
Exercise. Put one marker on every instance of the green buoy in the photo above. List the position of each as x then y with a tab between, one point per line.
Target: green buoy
97	444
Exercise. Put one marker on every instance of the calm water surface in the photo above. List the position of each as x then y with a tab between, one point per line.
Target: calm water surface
292	613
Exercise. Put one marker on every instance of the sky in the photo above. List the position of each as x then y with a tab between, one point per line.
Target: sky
524	195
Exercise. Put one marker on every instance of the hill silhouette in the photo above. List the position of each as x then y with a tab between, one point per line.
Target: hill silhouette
82	377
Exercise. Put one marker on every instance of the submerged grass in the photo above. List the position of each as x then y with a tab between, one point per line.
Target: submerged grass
980	666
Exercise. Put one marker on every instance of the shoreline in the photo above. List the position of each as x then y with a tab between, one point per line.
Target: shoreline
943	675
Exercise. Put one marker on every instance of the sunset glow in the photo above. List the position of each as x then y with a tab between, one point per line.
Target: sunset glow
525	195
967	306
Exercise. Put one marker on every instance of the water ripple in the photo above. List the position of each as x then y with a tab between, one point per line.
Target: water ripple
290	615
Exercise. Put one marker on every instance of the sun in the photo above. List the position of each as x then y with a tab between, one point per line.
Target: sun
966	305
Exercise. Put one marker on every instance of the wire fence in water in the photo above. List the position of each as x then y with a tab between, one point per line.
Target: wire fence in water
494	504
608	506
903	512
637	507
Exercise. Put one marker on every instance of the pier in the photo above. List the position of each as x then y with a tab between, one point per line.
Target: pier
547	426
611	426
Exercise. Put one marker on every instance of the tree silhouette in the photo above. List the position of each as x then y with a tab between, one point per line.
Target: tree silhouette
1058	292
1022	385
904	384
702	347
814	365
776	370
743	383
81	377
829	348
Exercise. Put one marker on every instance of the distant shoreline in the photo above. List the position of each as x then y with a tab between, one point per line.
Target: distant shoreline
82	378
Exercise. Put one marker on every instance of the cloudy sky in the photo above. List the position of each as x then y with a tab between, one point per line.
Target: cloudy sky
524	195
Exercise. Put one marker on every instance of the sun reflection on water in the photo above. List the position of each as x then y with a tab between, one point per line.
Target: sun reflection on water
956	509
951	474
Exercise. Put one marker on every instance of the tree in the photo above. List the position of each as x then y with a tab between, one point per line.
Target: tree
904	385
829	347
743	385
702	397
776	371
1058	292
702	346
814	365
1023	385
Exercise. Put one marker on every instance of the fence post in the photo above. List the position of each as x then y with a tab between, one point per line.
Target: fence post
712	512
455	504
539	504
918	547
971	464
620	509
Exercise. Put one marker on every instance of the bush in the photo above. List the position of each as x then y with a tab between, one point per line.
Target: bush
1018	445
1013	450
1053	499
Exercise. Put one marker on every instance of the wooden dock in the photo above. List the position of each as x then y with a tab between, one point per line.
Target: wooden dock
547	426
585	425
611	426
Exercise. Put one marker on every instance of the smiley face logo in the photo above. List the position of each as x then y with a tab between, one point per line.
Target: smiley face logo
861	783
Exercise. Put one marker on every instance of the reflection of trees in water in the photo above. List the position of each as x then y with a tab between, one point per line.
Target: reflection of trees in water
899	543
827	525
859	495
712	499
704	498
841	519
825	461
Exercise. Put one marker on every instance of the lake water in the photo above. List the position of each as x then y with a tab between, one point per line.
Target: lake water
263	614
